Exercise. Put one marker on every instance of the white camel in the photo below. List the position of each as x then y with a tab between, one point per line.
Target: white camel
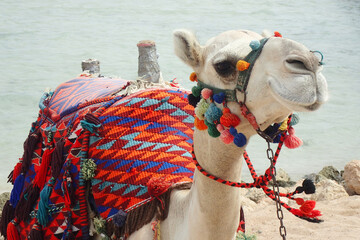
285	78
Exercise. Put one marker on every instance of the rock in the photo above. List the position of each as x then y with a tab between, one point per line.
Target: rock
282	178
3	198
328	189
352	177
255	194
329	172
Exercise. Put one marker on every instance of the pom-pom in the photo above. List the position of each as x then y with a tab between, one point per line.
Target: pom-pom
220	127
219	97
157	186
277	34
119	218
193	77
229	120
213	113
201	108
240	140
307	186
226	136
196	91
193	100
213	132
242	65
308	206
299	201
291	141
254	44
233	131
206	93
295	118
200	124
283	125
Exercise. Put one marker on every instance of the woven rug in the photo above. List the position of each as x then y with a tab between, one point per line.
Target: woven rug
131	139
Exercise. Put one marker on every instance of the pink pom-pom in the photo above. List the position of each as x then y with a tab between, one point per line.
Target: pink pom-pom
226	137
291	141
220	127
206	93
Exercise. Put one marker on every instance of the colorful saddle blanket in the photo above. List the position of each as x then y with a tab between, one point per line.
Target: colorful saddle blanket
91	147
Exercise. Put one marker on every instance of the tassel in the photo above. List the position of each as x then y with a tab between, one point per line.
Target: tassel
226	136
88	169
27	202
291	141
29	147
228	119
41	174
15	173
7	215
12	232
213	132
119	218
17	189
57	159
240	140
36	233
43	207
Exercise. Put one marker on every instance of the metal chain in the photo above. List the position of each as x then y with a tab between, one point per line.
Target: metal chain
279	212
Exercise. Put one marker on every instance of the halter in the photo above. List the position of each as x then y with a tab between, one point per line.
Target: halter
274	133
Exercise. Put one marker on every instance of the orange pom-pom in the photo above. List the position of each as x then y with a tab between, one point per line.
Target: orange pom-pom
242	65
229	120
277	34
200	124
193	77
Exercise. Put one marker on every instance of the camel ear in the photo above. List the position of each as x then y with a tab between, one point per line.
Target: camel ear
266	33
187	47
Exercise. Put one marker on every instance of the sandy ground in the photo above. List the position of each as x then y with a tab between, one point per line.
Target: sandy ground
341	222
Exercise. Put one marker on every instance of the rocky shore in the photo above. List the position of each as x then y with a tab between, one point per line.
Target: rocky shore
337	196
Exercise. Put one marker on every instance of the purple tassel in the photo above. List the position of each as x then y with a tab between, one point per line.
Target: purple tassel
17	189
7	215
119	218
29	147
27	202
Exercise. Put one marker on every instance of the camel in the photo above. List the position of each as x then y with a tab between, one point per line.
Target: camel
286	77
283	77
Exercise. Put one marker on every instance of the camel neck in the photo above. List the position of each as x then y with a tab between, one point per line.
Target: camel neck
213	205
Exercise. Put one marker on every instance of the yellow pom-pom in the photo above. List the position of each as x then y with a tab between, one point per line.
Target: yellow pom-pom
242	65
193	77
284	125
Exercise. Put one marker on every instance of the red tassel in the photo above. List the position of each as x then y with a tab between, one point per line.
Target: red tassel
12	232
40	178
57	160
17	171
291	141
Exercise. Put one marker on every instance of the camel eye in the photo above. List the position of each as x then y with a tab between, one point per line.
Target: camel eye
224	68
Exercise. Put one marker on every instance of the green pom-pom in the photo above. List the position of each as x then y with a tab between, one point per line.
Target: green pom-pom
100	227
213	113
196	91
212	130
88	169
201	108
295	118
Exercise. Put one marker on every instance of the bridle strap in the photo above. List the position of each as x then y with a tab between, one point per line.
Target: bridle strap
244	76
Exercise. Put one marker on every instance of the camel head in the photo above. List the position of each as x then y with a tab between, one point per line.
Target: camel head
285	77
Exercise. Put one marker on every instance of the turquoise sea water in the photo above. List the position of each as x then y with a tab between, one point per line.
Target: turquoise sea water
42	44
